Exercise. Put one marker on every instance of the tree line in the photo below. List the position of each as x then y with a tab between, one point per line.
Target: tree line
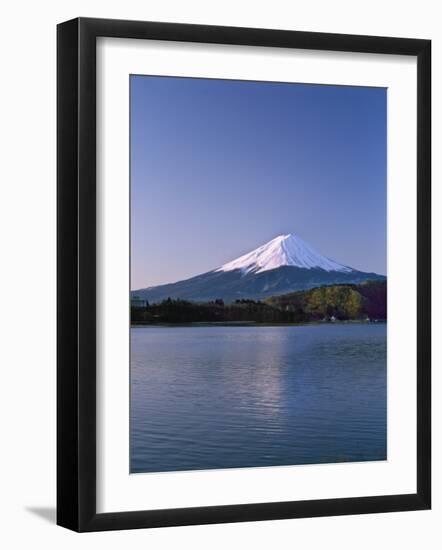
327	303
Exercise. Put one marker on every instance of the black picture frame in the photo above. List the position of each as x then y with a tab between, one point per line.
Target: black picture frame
76	274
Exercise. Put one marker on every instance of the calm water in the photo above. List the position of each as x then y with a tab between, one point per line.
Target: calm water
230	397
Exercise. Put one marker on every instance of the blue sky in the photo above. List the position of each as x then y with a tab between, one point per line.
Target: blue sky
219	167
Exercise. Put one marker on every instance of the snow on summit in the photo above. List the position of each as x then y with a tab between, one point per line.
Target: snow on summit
284	250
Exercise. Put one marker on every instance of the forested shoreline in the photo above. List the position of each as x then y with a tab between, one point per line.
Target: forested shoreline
342	302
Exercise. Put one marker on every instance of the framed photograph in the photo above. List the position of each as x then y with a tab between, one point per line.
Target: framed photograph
232	205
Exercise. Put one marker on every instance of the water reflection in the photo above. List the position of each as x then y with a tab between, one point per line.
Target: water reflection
220	397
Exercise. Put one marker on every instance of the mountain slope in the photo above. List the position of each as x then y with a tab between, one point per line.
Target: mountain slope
284	250
284	264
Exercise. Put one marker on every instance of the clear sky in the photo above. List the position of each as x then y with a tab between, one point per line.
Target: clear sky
219	167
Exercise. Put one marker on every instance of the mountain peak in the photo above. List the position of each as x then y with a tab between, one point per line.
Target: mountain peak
283	250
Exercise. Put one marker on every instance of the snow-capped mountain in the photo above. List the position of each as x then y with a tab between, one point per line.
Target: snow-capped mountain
284	250
284	264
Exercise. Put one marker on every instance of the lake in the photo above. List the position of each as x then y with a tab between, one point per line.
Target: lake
235	397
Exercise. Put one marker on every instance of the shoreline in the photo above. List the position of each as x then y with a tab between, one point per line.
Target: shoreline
255	324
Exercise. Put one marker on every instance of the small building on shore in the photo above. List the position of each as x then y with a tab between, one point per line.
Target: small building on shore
138	302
